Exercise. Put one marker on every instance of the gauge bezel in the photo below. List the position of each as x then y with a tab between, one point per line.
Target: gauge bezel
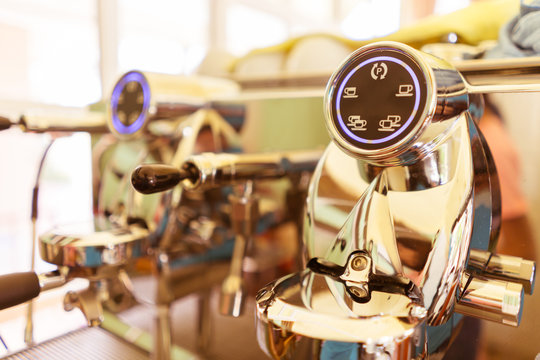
394	149
114	123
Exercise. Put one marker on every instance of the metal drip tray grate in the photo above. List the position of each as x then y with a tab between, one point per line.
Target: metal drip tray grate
84	344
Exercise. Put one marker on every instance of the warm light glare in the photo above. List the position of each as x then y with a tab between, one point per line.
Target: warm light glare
166	36
248	28
372	19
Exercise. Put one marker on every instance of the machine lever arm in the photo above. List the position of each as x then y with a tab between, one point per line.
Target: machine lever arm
149	179
18	288
5	123
210	170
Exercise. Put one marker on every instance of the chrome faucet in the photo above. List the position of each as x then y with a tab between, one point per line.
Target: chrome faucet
401	220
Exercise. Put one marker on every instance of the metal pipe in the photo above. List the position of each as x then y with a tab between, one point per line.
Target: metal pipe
501	75
489	299
504	267
210	169
244	216
217	169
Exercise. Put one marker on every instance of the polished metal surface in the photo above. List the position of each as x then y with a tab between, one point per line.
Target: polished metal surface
341	312
244	216
226	169
488	299
390	220
398	217
211	170
89	245
398	221
500	75
194	238
442	90
53	279
138	98
397	238
89	301
87	121
83	345
503	267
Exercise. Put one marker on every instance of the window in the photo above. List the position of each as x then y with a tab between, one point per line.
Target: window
369	19
168	36
248	28
53	52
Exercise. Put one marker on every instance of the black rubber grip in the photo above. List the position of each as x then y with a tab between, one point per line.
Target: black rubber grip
5	123
153	178
18	288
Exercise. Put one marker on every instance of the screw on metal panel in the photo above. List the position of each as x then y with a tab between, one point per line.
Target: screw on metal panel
418	311
359	292
70	299
359	263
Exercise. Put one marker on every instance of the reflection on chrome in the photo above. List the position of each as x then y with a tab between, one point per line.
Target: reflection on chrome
388	228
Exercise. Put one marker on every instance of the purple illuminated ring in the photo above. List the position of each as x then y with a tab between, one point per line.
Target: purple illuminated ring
409	120
118	88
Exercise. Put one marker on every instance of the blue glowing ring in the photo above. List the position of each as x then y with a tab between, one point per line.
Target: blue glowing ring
409	120
137	124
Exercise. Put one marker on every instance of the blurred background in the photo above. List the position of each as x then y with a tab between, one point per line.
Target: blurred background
71	53
65	55
62	55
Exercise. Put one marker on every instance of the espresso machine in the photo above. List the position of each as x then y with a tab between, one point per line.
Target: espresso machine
402	215
154	250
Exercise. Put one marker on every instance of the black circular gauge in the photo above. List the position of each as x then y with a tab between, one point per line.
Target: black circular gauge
130	102
378	98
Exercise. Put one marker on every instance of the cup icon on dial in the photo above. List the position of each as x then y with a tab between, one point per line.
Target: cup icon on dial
405	90
390	124
350	92
357	124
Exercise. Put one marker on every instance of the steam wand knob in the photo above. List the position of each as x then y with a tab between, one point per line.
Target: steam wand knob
149	179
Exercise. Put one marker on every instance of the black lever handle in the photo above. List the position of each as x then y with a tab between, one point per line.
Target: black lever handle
211	169
149	179
18	288
5	123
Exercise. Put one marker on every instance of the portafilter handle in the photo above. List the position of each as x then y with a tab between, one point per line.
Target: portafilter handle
211	170
154	178
17	288
5	123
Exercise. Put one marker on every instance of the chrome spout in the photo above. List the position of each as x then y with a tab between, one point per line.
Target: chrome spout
244	216
89	301
503	267
489	299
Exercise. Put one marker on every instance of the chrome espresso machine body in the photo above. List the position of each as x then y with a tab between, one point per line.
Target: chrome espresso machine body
401	220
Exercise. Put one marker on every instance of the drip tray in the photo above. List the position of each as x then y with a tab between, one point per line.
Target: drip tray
84	344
